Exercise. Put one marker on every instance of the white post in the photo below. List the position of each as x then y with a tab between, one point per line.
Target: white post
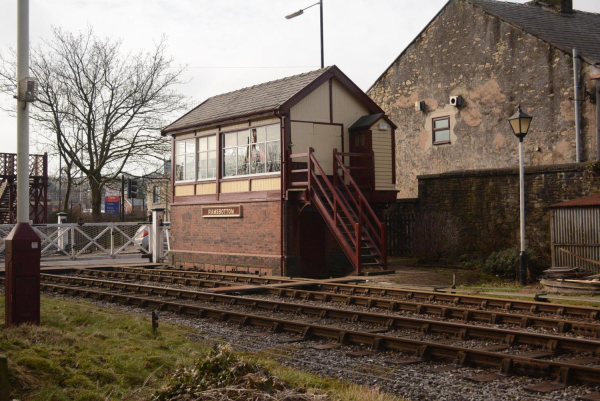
522	264
156	234
22	114
62	233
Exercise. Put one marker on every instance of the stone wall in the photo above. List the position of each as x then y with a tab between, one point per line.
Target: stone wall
494	66
486	202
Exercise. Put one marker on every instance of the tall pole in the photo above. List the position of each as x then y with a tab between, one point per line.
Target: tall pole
22	114
522	259
322	50
59	181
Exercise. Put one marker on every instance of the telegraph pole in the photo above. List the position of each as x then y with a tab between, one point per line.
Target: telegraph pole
23	245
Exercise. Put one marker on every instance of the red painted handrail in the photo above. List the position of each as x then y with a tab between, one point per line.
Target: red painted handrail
362	204
341	209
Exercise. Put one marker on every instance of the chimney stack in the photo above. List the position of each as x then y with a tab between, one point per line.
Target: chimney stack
566	6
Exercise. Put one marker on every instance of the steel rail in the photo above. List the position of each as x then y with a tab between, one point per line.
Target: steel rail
452	312
456	299
462	331
242	278
444	311
183	280
426	350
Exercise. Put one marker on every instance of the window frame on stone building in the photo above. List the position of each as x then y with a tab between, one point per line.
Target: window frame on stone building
156	194
435	130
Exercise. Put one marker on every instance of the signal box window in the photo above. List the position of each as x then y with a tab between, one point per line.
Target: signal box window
185	160
441	130
207	157
252	151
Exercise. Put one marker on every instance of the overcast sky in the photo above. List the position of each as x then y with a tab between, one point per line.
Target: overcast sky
231	44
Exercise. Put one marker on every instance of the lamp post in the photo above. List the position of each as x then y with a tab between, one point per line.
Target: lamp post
520	123
300	12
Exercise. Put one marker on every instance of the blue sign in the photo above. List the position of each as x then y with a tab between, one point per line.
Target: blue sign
112	204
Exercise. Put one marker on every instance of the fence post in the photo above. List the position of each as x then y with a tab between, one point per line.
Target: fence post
156	234
62	219
4	385
112	240
72	242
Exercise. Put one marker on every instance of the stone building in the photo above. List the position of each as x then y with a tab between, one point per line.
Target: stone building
490	56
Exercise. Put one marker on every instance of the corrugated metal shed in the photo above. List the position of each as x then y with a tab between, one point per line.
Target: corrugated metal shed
575	233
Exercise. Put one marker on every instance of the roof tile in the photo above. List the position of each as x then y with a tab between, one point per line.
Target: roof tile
579	30
262	97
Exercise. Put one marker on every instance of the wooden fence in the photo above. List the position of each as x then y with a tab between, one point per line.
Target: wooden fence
400	226
575	238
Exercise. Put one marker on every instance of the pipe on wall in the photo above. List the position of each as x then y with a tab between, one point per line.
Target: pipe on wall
576	92
598	118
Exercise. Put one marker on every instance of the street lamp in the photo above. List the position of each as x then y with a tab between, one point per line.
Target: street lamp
300	12
520	123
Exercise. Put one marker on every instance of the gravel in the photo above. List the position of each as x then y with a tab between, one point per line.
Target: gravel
413	382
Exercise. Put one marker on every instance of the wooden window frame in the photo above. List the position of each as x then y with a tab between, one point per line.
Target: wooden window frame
175	157
223	177
198	151
434	130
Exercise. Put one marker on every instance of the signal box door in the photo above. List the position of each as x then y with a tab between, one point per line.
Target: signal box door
361	167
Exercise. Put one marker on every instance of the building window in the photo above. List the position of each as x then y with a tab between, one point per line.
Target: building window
441	130
252	151
207	157
185	161
156	194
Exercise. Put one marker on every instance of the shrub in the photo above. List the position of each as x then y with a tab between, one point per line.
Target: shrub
505	263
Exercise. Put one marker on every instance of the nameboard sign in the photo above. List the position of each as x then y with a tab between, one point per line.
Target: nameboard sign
222	211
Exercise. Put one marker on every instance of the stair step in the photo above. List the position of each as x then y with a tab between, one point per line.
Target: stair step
304	170
300	184
371	264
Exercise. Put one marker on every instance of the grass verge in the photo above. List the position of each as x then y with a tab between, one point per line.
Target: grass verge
82	351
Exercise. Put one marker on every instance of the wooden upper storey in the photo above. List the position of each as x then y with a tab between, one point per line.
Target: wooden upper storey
241	157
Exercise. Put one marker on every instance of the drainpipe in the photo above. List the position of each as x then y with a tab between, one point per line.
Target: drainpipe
576	90
596	77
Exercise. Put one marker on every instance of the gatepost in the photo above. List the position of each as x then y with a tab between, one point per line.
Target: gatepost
156	234
63	233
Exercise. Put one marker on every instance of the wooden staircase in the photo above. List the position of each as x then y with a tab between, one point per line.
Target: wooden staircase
344	208
6	211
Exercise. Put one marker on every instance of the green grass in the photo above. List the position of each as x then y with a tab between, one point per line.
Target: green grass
86	352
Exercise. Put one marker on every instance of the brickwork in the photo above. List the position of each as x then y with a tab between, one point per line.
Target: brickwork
251	241
486	202
336	262
493	66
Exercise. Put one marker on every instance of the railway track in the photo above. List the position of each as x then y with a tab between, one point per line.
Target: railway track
188	302
407	294
492	316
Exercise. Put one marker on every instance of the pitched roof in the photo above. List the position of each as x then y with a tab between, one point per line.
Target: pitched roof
586	201
252	100
579	29
364	122
564	31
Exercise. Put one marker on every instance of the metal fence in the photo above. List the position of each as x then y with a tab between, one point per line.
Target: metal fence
575	238
400	227
75	240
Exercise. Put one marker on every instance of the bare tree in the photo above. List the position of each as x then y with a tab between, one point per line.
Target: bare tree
100	106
